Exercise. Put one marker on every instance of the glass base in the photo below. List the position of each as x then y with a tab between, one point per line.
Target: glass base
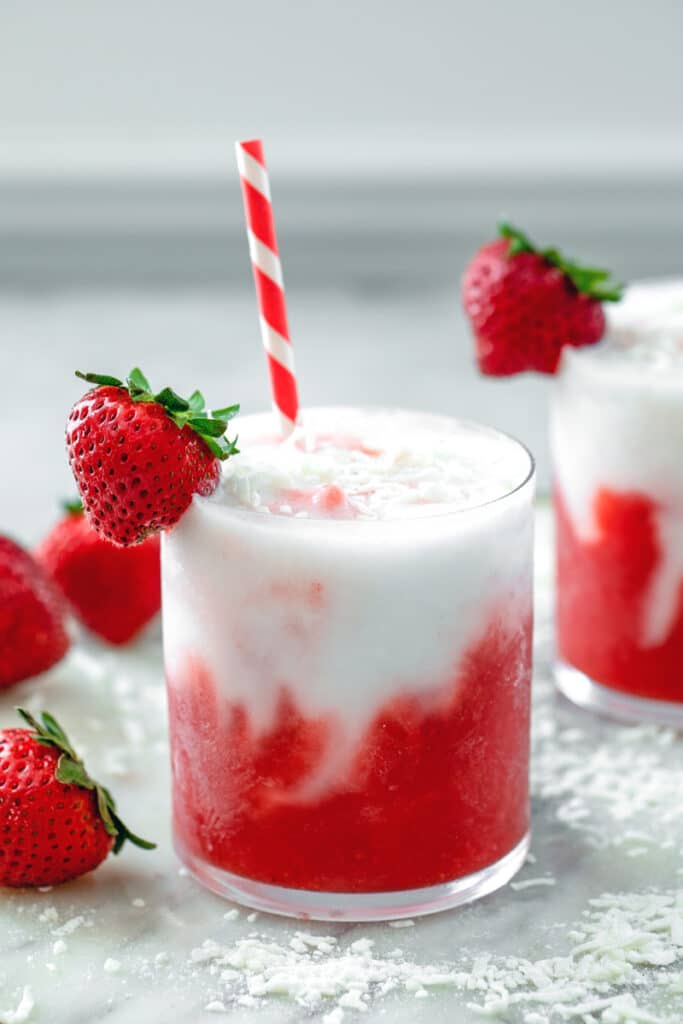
582	690
348	906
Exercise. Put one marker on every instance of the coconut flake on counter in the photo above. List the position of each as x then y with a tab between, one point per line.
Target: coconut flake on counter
23	1011
606	790
215	1006
70	926
313	970
623	942
530	883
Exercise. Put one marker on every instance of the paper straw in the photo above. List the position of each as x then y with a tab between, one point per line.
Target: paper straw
270	289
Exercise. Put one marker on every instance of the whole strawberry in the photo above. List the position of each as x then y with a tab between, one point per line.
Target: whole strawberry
33	634
139	457
56	822
525	305
114	591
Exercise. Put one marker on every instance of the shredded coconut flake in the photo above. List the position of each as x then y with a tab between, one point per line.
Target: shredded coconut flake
23	1010
621	943
70	926
530	883
612	791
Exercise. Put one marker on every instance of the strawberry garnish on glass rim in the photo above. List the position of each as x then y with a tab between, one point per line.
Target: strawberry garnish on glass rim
191	412
139	456
526	304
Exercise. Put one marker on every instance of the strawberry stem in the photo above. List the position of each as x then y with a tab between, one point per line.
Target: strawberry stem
72	772
185	412
595	282
74	506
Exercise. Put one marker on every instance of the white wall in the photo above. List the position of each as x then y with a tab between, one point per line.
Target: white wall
397	132
146	70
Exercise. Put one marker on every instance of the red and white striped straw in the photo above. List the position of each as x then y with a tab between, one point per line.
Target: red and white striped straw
270	289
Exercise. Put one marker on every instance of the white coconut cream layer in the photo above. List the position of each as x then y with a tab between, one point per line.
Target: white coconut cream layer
345	614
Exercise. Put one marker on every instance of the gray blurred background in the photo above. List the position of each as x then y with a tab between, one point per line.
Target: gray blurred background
396	133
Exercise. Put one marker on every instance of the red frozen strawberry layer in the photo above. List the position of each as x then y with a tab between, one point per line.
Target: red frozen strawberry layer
437	787
603	586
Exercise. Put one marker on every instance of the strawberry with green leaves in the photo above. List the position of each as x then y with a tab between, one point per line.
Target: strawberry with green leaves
56	822
139	457
526	304
115	592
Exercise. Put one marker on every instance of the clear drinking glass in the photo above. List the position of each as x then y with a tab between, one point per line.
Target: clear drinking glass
349	697
617	440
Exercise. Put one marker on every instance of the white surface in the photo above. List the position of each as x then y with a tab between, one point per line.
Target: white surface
144	942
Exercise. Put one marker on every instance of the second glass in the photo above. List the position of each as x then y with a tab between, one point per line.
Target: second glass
617	439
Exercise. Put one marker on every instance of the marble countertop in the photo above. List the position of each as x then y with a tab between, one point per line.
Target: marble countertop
139	940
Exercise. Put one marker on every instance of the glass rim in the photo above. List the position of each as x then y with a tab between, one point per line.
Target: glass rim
618	370
245	512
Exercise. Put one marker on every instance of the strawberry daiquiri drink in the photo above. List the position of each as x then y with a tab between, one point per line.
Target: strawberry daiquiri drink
347	632
617	438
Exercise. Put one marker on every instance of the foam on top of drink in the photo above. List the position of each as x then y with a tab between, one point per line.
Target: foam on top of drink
371	465
646	327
